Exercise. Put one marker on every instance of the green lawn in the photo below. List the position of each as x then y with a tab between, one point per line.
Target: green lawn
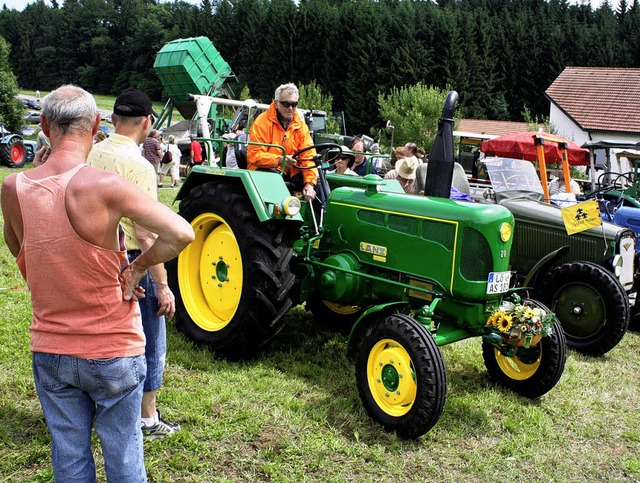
293	414
103	101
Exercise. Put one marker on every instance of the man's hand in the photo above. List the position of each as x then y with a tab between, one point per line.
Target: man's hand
166	301
309	192
129	279
291	161
41	156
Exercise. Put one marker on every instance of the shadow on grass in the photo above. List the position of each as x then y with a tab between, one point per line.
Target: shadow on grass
24	440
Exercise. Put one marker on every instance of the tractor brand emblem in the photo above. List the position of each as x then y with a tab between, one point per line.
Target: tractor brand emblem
216	171
379	253
627	246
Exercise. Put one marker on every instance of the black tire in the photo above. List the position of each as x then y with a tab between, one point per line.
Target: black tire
232	283
401	376
530	372
332	315
13	153
590	303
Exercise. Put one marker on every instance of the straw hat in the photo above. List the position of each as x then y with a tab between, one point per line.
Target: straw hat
406	167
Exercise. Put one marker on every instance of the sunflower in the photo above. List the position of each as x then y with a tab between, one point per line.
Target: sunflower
504	324
493	320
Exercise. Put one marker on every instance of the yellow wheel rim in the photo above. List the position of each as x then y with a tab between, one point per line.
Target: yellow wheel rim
391	378
514	368
210	273
341	309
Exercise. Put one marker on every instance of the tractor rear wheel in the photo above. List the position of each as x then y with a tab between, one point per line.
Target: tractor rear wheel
13	153
401	376
232	283
533	371
333	315
590	303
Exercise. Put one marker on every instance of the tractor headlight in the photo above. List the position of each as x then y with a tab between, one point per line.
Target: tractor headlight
291	206
505	232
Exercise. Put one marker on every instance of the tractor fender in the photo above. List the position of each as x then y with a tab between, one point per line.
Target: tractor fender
8	137
265	190
369	316
543	265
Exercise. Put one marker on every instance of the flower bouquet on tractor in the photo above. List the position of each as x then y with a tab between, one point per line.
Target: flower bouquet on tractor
521	324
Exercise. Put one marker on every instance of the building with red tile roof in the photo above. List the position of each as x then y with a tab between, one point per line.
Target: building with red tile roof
596	103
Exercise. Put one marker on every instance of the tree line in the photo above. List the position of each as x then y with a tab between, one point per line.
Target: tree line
500	55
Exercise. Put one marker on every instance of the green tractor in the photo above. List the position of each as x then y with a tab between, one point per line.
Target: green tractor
402	274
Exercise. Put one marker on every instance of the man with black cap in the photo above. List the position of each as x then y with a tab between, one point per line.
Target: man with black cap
132	119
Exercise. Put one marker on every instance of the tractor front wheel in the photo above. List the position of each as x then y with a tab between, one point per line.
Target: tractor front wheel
232	284
401	376
533	371
590	303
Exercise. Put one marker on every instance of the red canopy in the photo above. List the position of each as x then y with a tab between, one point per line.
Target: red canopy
521	145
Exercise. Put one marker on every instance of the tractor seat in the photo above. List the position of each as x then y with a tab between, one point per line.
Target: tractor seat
240	150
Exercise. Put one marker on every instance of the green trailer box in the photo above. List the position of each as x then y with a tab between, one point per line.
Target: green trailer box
191	66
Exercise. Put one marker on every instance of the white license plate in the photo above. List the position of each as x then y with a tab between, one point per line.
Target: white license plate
498	282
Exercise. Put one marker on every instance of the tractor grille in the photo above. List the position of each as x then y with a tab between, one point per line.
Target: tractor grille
404	224
442	233
475	256
375	217
535	242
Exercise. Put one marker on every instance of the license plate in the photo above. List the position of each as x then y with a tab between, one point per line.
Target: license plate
498	282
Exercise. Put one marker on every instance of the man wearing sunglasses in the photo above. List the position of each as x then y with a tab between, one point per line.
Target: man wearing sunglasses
282	125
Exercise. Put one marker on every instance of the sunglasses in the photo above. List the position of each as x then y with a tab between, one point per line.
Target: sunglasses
344	158
289	104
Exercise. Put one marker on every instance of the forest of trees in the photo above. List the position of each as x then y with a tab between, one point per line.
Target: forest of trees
500	55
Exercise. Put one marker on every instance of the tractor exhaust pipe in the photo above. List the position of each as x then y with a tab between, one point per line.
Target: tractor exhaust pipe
441	158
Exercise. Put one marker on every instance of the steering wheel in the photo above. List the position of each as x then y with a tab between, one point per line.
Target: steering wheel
615	185
334	153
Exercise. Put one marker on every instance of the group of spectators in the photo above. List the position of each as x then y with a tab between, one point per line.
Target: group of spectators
408	159
165	157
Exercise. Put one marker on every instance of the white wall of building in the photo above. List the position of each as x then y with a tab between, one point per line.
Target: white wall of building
564	126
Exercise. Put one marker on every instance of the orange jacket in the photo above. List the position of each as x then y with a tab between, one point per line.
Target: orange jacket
267	129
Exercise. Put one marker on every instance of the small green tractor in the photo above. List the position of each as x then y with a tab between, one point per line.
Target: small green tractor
15	151
402	274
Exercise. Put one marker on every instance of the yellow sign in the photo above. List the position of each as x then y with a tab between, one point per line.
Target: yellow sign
418	294
581	217
379	253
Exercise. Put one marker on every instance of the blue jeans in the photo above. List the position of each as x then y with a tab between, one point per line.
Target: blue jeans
155	331
72	393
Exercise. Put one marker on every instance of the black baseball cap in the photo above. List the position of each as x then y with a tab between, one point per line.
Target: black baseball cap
133	103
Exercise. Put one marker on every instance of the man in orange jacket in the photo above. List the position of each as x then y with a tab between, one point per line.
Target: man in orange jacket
282	125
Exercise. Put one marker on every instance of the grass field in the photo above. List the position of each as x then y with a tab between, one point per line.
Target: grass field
293	414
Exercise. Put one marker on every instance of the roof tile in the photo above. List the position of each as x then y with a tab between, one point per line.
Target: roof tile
497	128
599	98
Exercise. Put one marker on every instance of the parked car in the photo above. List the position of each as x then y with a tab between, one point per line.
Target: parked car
31	104
26	130
105	129
32	117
